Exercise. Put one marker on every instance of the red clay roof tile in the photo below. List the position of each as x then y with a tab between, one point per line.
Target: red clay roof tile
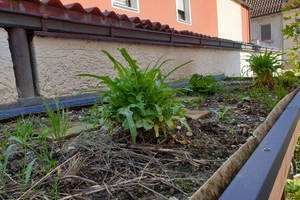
265	7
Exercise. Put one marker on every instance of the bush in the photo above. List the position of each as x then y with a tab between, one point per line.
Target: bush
138	100
263	66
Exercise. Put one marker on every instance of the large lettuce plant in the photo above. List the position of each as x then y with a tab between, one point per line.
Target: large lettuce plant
138	99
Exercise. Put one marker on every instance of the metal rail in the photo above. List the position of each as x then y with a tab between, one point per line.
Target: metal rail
264	174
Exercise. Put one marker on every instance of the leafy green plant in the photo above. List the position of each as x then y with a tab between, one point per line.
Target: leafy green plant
223	112
138	99
292	188
204	84
263	66
58	120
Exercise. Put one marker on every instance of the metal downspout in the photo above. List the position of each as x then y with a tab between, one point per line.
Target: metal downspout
18	44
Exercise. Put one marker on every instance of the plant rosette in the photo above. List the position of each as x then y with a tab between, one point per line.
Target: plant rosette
138	100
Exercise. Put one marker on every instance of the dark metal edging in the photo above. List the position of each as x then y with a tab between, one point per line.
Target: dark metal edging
257	177
6	114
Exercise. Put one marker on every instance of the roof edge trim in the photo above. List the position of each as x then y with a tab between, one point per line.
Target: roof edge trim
244	3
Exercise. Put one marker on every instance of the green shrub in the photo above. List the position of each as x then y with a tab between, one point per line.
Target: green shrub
263	66
204	84
138	100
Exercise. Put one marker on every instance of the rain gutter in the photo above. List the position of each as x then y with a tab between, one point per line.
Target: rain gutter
61	27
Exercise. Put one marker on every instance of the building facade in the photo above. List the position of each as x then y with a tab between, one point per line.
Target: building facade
267	22
228	19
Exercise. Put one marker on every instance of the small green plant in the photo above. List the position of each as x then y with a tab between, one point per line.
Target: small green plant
23	128
263	66
226	91
191	102
292	188
3	165
288	79
53	191
268	97
47	158
223	112
138	99
203	84
58	120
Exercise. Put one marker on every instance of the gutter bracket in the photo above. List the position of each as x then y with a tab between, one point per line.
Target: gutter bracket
171	37
44	23
112	31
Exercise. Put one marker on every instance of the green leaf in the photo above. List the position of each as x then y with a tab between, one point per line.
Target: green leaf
147	124
183	121
131	124
120	68
6	156
28	171
3	144
17	140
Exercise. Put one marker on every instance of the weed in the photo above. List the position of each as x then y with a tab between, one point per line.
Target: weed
3	165
233	132
226	91
48	159
54	194
185	185
59	122
224	111
191	102
138	100
204	84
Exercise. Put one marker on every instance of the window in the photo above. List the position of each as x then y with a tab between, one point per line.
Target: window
183	11
131	5
266	32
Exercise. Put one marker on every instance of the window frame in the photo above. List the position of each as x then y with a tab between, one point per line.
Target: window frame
272	31
134	7
187	13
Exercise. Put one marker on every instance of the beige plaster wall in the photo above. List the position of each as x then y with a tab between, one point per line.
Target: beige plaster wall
60	59
276	21
229	20
8	89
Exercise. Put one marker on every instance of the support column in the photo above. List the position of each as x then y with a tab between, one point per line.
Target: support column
19	49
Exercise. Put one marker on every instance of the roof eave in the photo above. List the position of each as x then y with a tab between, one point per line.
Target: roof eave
244	3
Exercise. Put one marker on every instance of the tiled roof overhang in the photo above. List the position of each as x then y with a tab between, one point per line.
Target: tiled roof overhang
52	18
266	7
